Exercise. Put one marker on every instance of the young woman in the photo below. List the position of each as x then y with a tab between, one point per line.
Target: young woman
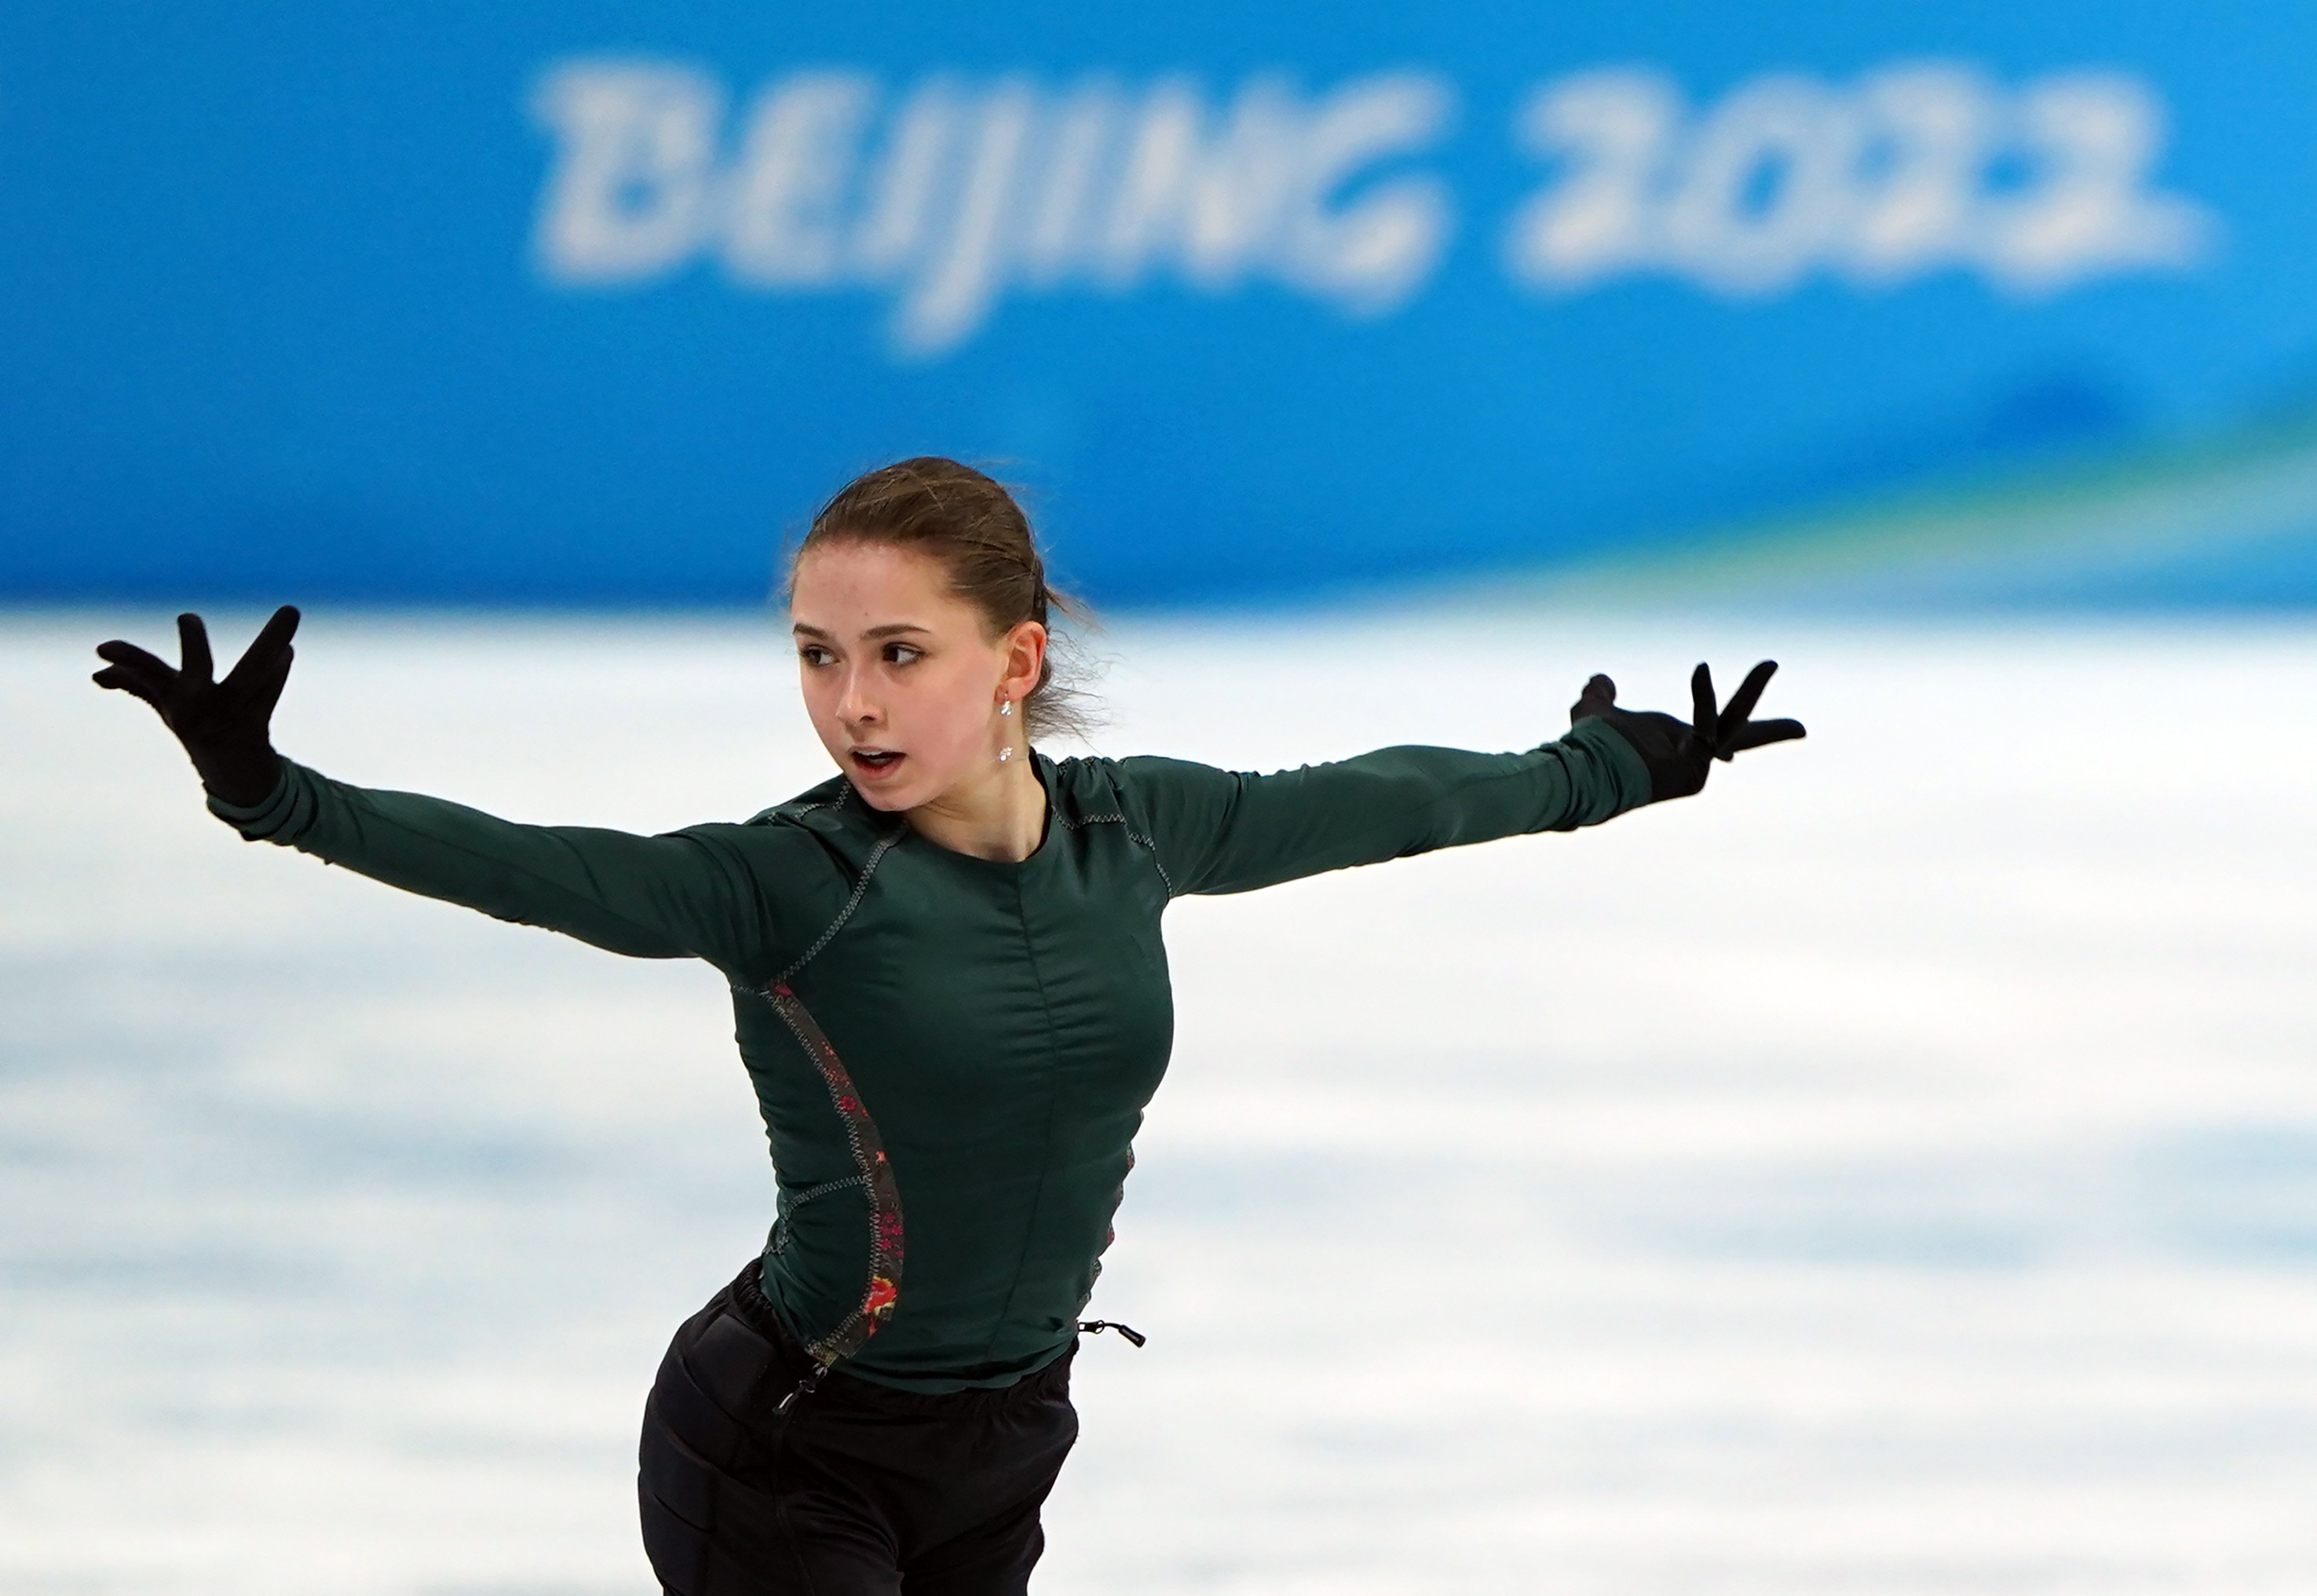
952	1000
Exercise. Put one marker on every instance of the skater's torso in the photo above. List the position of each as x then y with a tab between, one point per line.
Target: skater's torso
1004	1026
952	1054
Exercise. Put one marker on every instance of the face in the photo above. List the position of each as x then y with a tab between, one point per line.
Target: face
902	678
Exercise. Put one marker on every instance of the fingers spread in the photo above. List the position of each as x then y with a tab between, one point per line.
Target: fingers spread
121	681
1741	708
134	671
128	653
1757	734
193	648
265	686
269	653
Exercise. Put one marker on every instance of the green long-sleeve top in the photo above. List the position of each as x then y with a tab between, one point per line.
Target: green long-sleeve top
952	1054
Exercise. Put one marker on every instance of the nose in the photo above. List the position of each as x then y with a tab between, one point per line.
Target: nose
854	705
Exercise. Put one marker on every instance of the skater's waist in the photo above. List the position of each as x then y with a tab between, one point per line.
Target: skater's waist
903	1362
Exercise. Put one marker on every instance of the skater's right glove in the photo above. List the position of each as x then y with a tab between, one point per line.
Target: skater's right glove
1679	756
223	725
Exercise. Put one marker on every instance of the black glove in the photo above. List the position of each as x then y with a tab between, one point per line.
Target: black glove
1679	756
222	724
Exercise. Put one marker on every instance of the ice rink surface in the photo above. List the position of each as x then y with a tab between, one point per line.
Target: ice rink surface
1894	1171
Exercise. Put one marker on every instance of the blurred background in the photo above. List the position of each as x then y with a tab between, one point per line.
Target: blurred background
1895	1171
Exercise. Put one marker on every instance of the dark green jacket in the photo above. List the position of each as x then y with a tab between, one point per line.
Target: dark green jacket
952	1054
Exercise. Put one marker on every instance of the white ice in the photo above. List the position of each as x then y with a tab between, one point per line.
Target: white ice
1894	1171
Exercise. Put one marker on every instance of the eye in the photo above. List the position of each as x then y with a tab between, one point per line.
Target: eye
903	653
813	654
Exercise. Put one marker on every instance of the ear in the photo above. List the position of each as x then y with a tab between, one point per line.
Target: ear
1025	659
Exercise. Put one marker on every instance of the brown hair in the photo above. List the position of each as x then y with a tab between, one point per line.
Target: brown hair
969	522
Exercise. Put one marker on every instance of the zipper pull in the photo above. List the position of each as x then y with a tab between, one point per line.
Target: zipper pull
1097	1326
805	1387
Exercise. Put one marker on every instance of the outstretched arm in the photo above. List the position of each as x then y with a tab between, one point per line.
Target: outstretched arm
1225	831
688	894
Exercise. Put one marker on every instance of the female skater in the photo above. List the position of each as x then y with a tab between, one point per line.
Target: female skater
952	1000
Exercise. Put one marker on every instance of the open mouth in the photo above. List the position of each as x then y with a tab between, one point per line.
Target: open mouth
874	762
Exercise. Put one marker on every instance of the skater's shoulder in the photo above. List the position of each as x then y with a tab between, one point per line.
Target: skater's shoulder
1083	785
1095	787
832	810
1159	778
829	819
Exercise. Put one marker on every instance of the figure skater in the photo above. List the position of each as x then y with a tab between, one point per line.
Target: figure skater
951	999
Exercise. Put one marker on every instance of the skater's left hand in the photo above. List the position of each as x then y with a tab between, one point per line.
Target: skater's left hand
1679	756
223	725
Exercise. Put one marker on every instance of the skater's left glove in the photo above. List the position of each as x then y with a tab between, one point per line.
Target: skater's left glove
1679	756
223	725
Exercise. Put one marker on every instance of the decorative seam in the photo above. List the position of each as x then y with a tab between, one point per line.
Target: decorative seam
874	1171
860	890
876	1174
822	1190
1151	847
835	802
778	1242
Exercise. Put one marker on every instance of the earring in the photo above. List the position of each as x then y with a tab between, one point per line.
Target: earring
1005	706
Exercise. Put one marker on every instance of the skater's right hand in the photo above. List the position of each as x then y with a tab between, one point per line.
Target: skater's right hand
223	725
1680	754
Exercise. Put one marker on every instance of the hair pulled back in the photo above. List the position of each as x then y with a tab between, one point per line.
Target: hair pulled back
969	522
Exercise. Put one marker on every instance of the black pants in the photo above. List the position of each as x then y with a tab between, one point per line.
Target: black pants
858	1490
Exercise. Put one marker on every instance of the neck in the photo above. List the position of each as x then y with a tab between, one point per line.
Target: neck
1001	815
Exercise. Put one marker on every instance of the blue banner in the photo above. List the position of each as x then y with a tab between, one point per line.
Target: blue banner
591	303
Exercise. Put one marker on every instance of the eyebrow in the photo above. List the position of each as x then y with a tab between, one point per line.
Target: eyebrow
890	629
